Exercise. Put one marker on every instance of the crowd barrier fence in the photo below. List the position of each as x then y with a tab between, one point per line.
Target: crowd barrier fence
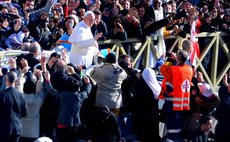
213	45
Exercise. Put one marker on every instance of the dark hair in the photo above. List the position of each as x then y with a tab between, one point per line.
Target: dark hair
110	58
4	71
29	85
123	63
11	77
25	29
123	56
97	12
56	55
27	0
204	119
73	85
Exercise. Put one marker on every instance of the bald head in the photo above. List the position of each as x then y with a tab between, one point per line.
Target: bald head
187	45
35	48
11	77
61	66
182	56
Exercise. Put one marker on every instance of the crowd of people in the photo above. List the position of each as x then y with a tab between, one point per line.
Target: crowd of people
51	23
56	101
90	96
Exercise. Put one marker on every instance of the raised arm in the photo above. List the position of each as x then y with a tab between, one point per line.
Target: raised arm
39	85
45	9
48	85
21	80
86	88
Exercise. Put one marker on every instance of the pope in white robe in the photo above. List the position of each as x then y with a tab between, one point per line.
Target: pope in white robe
84	45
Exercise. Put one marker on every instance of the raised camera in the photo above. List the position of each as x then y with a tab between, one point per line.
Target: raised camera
57	9
29	10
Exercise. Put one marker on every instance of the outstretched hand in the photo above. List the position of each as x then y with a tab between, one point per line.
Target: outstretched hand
24	63
86	79
47	75
98	36
38	73
225	80
12	63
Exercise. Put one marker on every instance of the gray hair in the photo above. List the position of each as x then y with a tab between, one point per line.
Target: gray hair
25	46
187	45
87	13
34	47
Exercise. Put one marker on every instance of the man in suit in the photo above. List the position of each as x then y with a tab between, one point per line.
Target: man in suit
12	109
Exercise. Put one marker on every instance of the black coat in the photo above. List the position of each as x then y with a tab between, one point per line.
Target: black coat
104	126
62	82
31	59
222	114
145	116
12	108
153	27
100	28
70	104
199	136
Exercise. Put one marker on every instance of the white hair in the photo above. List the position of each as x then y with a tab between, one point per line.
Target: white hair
88	13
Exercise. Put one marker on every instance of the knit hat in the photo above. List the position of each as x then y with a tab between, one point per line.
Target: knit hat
205	89
110	58
207	99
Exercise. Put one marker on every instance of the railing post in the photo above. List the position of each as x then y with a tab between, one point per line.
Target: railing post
215	61
141	50
148	52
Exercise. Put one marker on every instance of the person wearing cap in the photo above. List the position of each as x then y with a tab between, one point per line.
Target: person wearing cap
176	93
109	78
84	45
207	100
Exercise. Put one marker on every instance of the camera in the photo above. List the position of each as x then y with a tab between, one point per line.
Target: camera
57	9
117	25
4	16
29	10
180	15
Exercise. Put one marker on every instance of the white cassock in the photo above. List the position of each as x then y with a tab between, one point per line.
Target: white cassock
84	47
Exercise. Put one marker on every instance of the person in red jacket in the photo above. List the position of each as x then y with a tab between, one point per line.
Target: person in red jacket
176	93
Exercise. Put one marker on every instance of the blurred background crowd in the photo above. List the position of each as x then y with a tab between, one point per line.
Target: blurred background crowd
50	23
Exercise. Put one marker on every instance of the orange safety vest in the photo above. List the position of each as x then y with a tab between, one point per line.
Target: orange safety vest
181	84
